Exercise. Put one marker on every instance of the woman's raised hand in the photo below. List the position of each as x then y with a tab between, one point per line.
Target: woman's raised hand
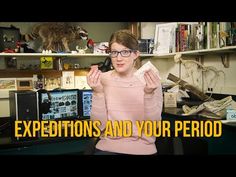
94	79
152	81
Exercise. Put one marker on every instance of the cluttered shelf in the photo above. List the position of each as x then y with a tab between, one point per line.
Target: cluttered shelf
28	73
63	55
11	73
222	50
52	55
177	114
219	102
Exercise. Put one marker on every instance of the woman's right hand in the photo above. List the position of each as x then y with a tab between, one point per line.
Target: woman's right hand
94	79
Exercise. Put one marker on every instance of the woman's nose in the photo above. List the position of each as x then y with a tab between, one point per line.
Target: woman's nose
119	57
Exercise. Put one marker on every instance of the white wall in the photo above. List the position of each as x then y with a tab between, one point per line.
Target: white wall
227	86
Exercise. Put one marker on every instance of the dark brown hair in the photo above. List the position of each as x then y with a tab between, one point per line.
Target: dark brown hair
125	38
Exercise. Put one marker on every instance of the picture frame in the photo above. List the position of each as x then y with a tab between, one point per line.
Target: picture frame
51	83
46	62
164	38
8	84
68	80
24	83
170	100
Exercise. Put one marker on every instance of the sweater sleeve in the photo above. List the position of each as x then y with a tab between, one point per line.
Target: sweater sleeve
99	110
153	105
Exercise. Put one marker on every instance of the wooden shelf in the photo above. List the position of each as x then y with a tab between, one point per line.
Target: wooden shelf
11	73
223	50
51	54
60	55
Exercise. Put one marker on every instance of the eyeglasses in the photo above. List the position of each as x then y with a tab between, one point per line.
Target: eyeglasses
123	53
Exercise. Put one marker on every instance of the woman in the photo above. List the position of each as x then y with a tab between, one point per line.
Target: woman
119	95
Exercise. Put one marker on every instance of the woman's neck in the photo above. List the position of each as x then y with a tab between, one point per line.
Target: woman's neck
125	75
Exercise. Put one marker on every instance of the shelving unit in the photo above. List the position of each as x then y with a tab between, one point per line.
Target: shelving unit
10	72
61	55
51	54
223	50
48	72
28	73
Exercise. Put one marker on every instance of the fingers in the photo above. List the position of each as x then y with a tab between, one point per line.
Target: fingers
147	78
151	77
152	81
96	77
93	76
91	72
93	68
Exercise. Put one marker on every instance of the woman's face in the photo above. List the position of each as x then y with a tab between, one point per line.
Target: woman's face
123	58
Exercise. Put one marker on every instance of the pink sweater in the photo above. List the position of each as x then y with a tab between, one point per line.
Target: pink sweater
124	99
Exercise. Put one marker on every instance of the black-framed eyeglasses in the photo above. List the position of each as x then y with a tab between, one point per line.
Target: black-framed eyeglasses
123	53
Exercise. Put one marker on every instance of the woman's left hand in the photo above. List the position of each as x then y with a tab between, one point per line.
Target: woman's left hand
152	81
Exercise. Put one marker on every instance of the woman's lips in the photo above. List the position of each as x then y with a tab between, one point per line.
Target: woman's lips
120	65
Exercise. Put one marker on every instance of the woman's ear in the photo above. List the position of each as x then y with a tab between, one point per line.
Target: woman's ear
137	53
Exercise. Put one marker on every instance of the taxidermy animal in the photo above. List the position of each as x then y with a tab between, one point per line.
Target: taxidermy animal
56	36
